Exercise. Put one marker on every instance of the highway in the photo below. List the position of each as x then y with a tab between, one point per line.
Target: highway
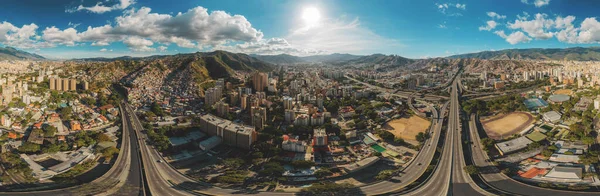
413	171
402	94
104	183
498	181
462	184
165	180
449	177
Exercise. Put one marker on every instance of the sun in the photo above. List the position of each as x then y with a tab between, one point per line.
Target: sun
311	16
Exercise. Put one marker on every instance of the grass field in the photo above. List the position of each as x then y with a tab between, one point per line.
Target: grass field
563	92
407	128
506	124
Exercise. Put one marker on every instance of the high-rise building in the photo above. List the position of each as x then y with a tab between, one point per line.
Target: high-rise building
259	81
65	84
244	101
222	109
72	85
319	137
288	103
86	85
234	98
290	115
7	94
259	116
52	84
212	96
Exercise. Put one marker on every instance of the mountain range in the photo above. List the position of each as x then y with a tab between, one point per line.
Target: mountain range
574	54
374	60
290	59
10	53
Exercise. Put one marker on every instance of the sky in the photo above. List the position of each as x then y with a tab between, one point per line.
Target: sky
63	29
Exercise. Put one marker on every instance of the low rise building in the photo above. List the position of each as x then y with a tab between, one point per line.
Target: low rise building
513	145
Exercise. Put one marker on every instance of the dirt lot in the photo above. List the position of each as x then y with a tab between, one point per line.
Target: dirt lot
506	124
407	128
563	92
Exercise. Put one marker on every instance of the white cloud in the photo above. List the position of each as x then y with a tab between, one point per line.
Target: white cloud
24	37
525	16
496	15
66	37
194	28
451	9
514	38
162	48
139	44
536	28
74	25
587	33
140	29
537	3
489	26
103	50
442	26
100	43
100	8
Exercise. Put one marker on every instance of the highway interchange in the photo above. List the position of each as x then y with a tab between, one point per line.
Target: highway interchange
140	169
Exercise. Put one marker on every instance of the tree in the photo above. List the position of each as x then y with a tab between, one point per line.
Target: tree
29	147
233	162
323	172
588	140
49	131
471	169
421	137
547	152
302	164
156	109
110	151
101	137
66	112
272	169
51	148
385	174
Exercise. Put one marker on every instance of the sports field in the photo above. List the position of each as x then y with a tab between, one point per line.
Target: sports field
407	128
504	125
563	92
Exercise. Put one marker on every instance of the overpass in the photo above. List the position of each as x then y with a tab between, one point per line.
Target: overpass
496	180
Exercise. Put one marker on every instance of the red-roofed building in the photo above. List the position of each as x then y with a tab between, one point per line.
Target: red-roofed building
106	107
38	125
12	135
346	111
533	172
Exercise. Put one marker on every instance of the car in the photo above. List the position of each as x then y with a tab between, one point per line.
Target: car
419	164
160	161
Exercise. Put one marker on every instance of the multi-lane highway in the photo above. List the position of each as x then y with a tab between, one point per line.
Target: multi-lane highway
462	184
500	182
418	166
162	179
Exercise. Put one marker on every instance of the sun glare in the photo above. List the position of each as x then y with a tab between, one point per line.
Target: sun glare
311	16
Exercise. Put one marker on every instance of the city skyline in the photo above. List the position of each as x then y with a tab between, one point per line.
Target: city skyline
414	29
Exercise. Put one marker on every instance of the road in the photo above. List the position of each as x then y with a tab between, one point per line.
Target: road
402	94
111	178
462	184
413	171
162	178
495	179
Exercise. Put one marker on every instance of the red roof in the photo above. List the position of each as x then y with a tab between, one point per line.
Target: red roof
533	172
